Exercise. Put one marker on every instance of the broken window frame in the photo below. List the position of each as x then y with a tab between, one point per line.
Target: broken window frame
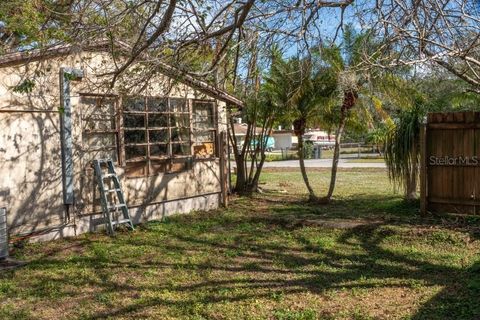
153	165
114	131
213	130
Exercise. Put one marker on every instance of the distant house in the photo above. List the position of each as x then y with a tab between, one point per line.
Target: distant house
284	139
165	136
319	137
241	132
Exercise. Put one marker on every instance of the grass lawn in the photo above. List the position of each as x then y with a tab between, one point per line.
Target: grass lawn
365	256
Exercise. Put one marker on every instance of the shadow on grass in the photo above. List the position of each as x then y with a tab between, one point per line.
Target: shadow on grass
456	301
247	254
459	300
369	209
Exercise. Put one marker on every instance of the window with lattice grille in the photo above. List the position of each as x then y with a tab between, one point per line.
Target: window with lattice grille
165	134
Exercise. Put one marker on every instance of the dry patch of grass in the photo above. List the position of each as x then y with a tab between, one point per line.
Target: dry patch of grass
365	256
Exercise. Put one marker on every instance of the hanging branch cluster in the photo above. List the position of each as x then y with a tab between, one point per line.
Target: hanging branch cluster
196	36
442	32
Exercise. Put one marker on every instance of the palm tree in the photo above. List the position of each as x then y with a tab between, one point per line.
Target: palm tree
343	62
350	97
324	89
305	88
361	90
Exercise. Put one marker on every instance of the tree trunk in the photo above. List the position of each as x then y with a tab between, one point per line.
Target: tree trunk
240	184
311	193
411	178
266	133
336	157
256	178
411	187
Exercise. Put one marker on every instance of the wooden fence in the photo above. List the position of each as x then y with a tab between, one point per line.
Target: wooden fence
450	163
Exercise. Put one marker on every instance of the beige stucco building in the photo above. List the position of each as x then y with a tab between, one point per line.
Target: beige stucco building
165	135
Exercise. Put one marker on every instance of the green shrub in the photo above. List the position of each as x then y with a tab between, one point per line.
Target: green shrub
308	150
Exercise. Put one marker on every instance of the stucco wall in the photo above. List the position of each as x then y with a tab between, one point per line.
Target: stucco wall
30	152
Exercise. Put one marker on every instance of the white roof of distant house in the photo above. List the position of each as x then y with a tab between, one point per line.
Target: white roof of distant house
241	129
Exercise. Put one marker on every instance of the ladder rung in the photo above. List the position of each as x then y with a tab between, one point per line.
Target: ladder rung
112	190
121	221
109	175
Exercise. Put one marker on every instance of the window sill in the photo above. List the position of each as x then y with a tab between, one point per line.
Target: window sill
156	175
213	159
206	159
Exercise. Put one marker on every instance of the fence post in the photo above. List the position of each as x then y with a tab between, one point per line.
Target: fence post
223	169
423	170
